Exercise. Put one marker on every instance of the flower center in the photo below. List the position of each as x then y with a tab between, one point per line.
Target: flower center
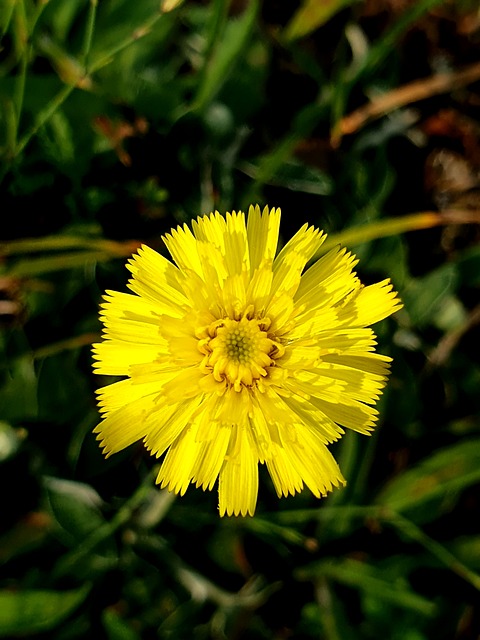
239	352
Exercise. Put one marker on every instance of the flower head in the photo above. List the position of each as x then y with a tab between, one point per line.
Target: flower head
235	356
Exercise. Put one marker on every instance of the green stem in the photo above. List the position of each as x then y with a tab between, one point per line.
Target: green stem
44	115
8	8
63	243
396	520
301	516
216	25
323	596
19	90
267	527
138	34
250	596
395	226
123	515
53	349
382	229
56	102
10	133
381	49
435	548
36	16
89	31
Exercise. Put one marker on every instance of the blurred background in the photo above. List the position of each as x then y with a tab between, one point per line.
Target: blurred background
121	119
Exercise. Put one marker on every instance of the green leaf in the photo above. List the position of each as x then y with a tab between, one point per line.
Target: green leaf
295	176
61	16
76	508
58	140
467	549
451	314
271	162
225	55
6	11
311	15
34	267
424	297
116	628
469	267
434	480
10	441
34	611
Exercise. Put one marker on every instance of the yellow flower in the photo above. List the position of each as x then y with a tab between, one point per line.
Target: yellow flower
234	357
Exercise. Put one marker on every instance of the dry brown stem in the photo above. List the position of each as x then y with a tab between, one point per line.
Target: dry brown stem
406	94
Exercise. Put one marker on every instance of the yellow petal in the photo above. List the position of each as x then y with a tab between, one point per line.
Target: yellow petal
328	280
370	305
118	394
156	280
237	258
182	246
177	469
313	462
114	357
131	319
165	427
211	457
127	424
286	479
238	484
262	233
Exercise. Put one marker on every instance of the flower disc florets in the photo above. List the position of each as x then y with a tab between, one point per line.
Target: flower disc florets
240	352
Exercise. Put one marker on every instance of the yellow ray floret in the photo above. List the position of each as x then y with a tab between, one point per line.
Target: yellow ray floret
233	357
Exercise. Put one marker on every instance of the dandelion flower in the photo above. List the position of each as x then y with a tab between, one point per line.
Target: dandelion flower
235	356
